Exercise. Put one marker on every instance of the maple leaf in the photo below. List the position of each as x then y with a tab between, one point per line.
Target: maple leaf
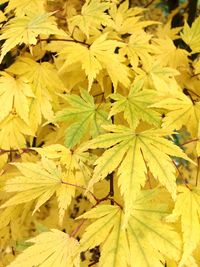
126	20
144	241
40	181
83	114
16	93
52	248
98	56
45	83
138	47
92	17
187	207
126	152
23	7
13	131
136	106
153	75
26	29
191	36
182	111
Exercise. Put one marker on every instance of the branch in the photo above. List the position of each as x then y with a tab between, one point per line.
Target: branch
24	150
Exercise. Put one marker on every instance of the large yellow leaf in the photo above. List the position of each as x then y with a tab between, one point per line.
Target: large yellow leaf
187	207
26	29
53	248
39	181
144	241
126	153
98	56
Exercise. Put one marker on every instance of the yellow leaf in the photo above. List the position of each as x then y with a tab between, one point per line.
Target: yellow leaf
15	93
23	7
182	111
26	30
45	83
39	181
144	242
191	35
92	17
13	131
127	152
188	208
53	248
98	56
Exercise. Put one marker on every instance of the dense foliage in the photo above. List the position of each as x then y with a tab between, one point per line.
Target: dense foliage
99	133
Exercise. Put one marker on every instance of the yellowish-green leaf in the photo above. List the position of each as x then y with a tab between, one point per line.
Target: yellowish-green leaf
53	248
85	116
187	207
136	106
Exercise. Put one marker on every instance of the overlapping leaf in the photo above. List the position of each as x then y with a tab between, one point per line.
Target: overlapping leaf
39	181
45	83
98	56
26	29
127	152
23	7
187	207
144	241
85	116
53	248
17	94
182	111
92	17
136	106
191	35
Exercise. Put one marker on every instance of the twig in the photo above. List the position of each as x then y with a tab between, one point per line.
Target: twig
24	150
190	141
181	175
148	4
62	40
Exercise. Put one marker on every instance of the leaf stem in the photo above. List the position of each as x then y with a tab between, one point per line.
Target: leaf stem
75	231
